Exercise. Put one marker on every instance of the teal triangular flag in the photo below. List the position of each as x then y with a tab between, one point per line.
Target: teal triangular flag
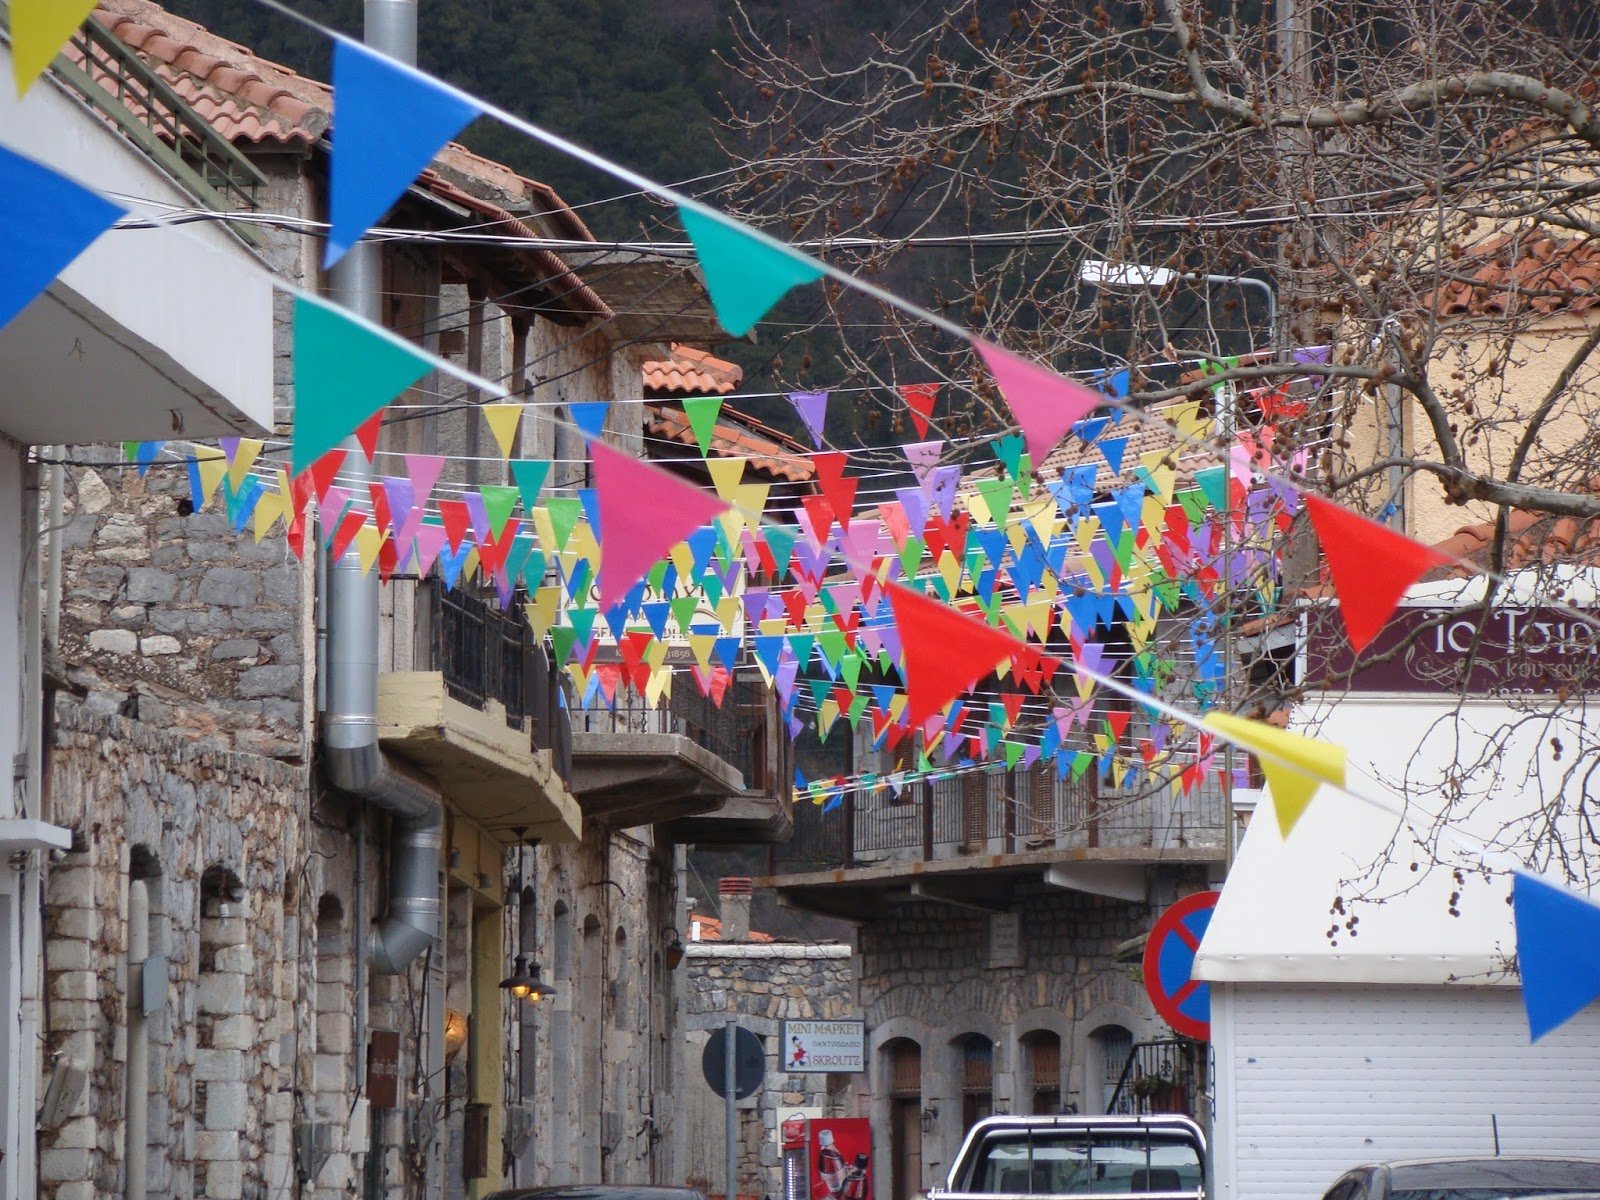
1213	482
746	271
344	371
529	475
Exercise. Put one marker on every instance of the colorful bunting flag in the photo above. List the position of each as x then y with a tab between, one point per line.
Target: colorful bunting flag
1558	952
503	420
1045	404
644	512
46	219
944	652
344	371
1295	765
746	271
38	30
919	398
377	150
1371	566
813	410
702	412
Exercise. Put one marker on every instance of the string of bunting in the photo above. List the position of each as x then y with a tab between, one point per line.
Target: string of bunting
347	370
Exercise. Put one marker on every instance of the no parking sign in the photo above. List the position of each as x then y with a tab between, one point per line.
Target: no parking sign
1181	999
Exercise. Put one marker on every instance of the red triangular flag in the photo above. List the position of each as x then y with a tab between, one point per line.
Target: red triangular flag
367	434
1370	564
839	491
1045	404
324	471
349	525
919	398
644	512
945	652
457	520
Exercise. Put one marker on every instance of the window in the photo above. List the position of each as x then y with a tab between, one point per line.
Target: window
1067	1162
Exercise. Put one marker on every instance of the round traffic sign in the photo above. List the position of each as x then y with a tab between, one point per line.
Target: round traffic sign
1181	999
749	1062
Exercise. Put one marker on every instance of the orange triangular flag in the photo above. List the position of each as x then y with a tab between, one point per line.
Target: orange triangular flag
1371	566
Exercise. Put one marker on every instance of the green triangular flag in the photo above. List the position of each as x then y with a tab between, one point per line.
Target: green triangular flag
1213	481
344	371
746	271
833	646
850	670
1013	754
562	639
683	609
911	555
498	501
564	513
997	494
702	413
1009	451
529	475
1193	503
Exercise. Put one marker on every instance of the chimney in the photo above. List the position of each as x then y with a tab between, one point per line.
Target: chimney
733	894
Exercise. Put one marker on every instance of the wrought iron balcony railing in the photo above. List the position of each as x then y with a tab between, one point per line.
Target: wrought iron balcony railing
998	812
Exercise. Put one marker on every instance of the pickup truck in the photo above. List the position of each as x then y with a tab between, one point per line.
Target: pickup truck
1151	1156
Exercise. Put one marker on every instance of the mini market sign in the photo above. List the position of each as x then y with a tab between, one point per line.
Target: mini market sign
812	1047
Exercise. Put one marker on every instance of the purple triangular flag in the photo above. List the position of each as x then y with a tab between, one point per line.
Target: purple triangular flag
813	410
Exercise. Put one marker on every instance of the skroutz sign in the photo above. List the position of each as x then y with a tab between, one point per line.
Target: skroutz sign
831	1046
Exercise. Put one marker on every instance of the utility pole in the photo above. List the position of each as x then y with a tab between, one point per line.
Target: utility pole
356	284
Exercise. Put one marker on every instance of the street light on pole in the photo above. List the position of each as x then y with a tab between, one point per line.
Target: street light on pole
1128	276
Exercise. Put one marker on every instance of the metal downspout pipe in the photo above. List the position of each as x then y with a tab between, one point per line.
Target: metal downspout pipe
353	762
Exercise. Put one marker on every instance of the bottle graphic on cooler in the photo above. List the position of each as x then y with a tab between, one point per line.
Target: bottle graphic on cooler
830	1165
855	1183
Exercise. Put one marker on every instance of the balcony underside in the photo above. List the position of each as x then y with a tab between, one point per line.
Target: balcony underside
487	770
625	778
986	882
747	819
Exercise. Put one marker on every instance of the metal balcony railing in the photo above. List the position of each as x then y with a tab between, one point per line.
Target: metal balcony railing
123	87
486	653
1159	1077
736	731
997	812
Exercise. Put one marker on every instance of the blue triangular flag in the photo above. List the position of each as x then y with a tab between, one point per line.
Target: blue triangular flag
590	416
389	120
46	221
1558	952
1111	449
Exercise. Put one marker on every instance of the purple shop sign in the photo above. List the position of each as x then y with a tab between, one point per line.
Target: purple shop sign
1520	651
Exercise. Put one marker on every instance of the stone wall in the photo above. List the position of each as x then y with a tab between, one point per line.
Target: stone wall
934	974
761	984
216	838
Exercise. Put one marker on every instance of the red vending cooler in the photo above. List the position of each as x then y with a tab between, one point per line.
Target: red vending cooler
827	1159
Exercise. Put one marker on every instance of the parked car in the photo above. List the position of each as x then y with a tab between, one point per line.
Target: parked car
1153	1155
1524	1177
597	1191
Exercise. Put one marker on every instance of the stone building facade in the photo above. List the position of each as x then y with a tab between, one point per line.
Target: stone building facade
759	984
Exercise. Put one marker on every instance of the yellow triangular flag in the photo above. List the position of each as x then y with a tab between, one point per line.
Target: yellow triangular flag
503	420
244	457
212	467
541	610
39	28
700	645
656	685
368	539
725	476
268	509
1295	765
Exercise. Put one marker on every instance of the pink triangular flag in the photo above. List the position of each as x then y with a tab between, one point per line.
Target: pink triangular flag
644	512
1045	404
429	541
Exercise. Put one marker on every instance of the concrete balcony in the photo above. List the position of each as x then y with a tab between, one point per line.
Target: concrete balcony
489	770
696	771
972	840
147	335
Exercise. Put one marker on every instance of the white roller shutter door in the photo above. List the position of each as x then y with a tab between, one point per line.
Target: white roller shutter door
1314	1080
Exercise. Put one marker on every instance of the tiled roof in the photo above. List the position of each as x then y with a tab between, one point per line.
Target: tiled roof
710	930
736	436
691	372
250	99
1535	538
1522	272
245	98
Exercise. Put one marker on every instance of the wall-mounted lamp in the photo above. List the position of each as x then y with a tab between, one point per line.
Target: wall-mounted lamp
930	1117
524	982
671	948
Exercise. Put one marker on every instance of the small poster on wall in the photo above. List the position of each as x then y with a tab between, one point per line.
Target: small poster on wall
824	1046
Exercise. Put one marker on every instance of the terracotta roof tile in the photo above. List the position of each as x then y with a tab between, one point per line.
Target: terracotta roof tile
1522	272
1535	538
736	436
710	930
691	372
